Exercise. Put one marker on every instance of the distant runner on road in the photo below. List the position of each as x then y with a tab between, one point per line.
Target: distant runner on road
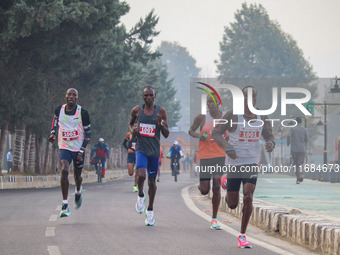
72	122
129	144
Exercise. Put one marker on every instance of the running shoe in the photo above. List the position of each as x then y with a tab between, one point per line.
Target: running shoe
150	220
135	189
140	207
65	211
78	198
242	242
214	225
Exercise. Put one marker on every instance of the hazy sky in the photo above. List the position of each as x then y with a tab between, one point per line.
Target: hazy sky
199	25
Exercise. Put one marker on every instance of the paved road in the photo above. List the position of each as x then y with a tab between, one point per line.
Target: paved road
108	224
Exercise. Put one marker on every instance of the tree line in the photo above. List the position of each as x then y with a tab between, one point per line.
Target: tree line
48	46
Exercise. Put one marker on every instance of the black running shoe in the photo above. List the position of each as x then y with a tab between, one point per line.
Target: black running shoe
78	199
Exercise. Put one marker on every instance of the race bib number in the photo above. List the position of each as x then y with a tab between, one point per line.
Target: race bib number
133	146
148	130
70	134
249	136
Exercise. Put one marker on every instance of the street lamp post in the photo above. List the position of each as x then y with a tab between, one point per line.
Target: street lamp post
280	130
335	89
306	121
325	104
325	159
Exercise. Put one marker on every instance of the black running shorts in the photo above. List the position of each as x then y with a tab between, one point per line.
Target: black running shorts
244	174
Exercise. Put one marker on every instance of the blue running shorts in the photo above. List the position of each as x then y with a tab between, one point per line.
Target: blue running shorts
150	163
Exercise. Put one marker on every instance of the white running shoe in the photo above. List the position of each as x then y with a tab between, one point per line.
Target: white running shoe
150	220
140	207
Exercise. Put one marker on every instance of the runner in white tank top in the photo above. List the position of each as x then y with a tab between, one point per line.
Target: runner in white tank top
73	125
243	150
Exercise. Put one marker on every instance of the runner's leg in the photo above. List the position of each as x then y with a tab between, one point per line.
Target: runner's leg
216	198
130	168
152	174
152	191
136	175
77	177
77	170
204	186
141	179
205	177
233	190
248	191
64	183
141	165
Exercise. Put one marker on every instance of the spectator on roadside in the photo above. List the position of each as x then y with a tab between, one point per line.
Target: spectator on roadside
9	161
297	139
184	160
188	160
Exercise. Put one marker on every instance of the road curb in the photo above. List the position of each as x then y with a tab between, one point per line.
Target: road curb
22	182
314	232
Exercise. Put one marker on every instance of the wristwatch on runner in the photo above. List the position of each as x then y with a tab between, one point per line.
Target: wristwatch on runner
271	143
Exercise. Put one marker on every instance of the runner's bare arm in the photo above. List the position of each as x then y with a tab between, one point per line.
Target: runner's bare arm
52	136
127	138
162	121
87	128
267	134
54	127
134	114
198	122
220	129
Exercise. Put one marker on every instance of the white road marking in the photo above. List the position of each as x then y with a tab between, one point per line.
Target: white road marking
53	250
58	208
193	208
50	231
268	180
53	217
